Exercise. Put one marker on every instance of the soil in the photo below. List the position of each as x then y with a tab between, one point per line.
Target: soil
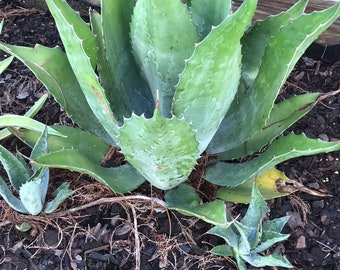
96	229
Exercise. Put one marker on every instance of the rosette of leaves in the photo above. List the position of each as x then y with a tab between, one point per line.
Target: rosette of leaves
30	183
252	235
246	239
166	80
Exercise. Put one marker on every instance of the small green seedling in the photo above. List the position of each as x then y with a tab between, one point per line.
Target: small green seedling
31	184
248	238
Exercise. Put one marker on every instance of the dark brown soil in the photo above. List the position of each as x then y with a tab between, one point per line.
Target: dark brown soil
127	233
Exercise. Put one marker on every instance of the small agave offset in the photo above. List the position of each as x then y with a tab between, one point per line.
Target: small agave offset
32	184
165	81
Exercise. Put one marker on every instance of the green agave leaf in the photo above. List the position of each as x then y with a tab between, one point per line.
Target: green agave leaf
124	85
9	120
282	116
30	196
240	262
275	225
45	63
71	138
5	63
222	250
80	46
120	179
246	236
4	133
207	13
10	199
41	176
210	79
16	171
286	147
60	194
163	36
83	152
255	42
270	260
286	47
227	234
184	199
163	150
40	148
257	209
269	239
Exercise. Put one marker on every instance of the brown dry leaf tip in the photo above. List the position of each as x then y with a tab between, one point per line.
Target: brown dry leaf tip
293	186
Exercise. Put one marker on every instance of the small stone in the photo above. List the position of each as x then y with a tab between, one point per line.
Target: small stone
78	258
314	185
317	206
301	242
324	137
325	218
294	220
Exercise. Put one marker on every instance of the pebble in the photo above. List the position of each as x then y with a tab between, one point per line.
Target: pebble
325	218
301	242
294	220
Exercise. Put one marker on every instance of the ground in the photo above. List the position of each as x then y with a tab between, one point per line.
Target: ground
96	229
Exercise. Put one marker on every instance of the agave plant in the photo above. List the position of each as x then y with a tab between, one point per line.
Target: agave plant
248	238
31	184
166	81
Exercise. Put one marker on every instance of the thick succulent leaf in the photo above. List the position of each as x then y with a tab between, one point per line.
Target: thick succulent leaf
30	196
124	85
269	239
4	133
16	171
5	63
71	138
207	13
60	194
10	199
184	199
45	63
83	152
257	209
163	36
286	47
120	179
210	79
80	47
282	116
40	148
41	176
227	234
266	183
286	147
163	150
275	225
222	250
270	260
255	41
9	120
